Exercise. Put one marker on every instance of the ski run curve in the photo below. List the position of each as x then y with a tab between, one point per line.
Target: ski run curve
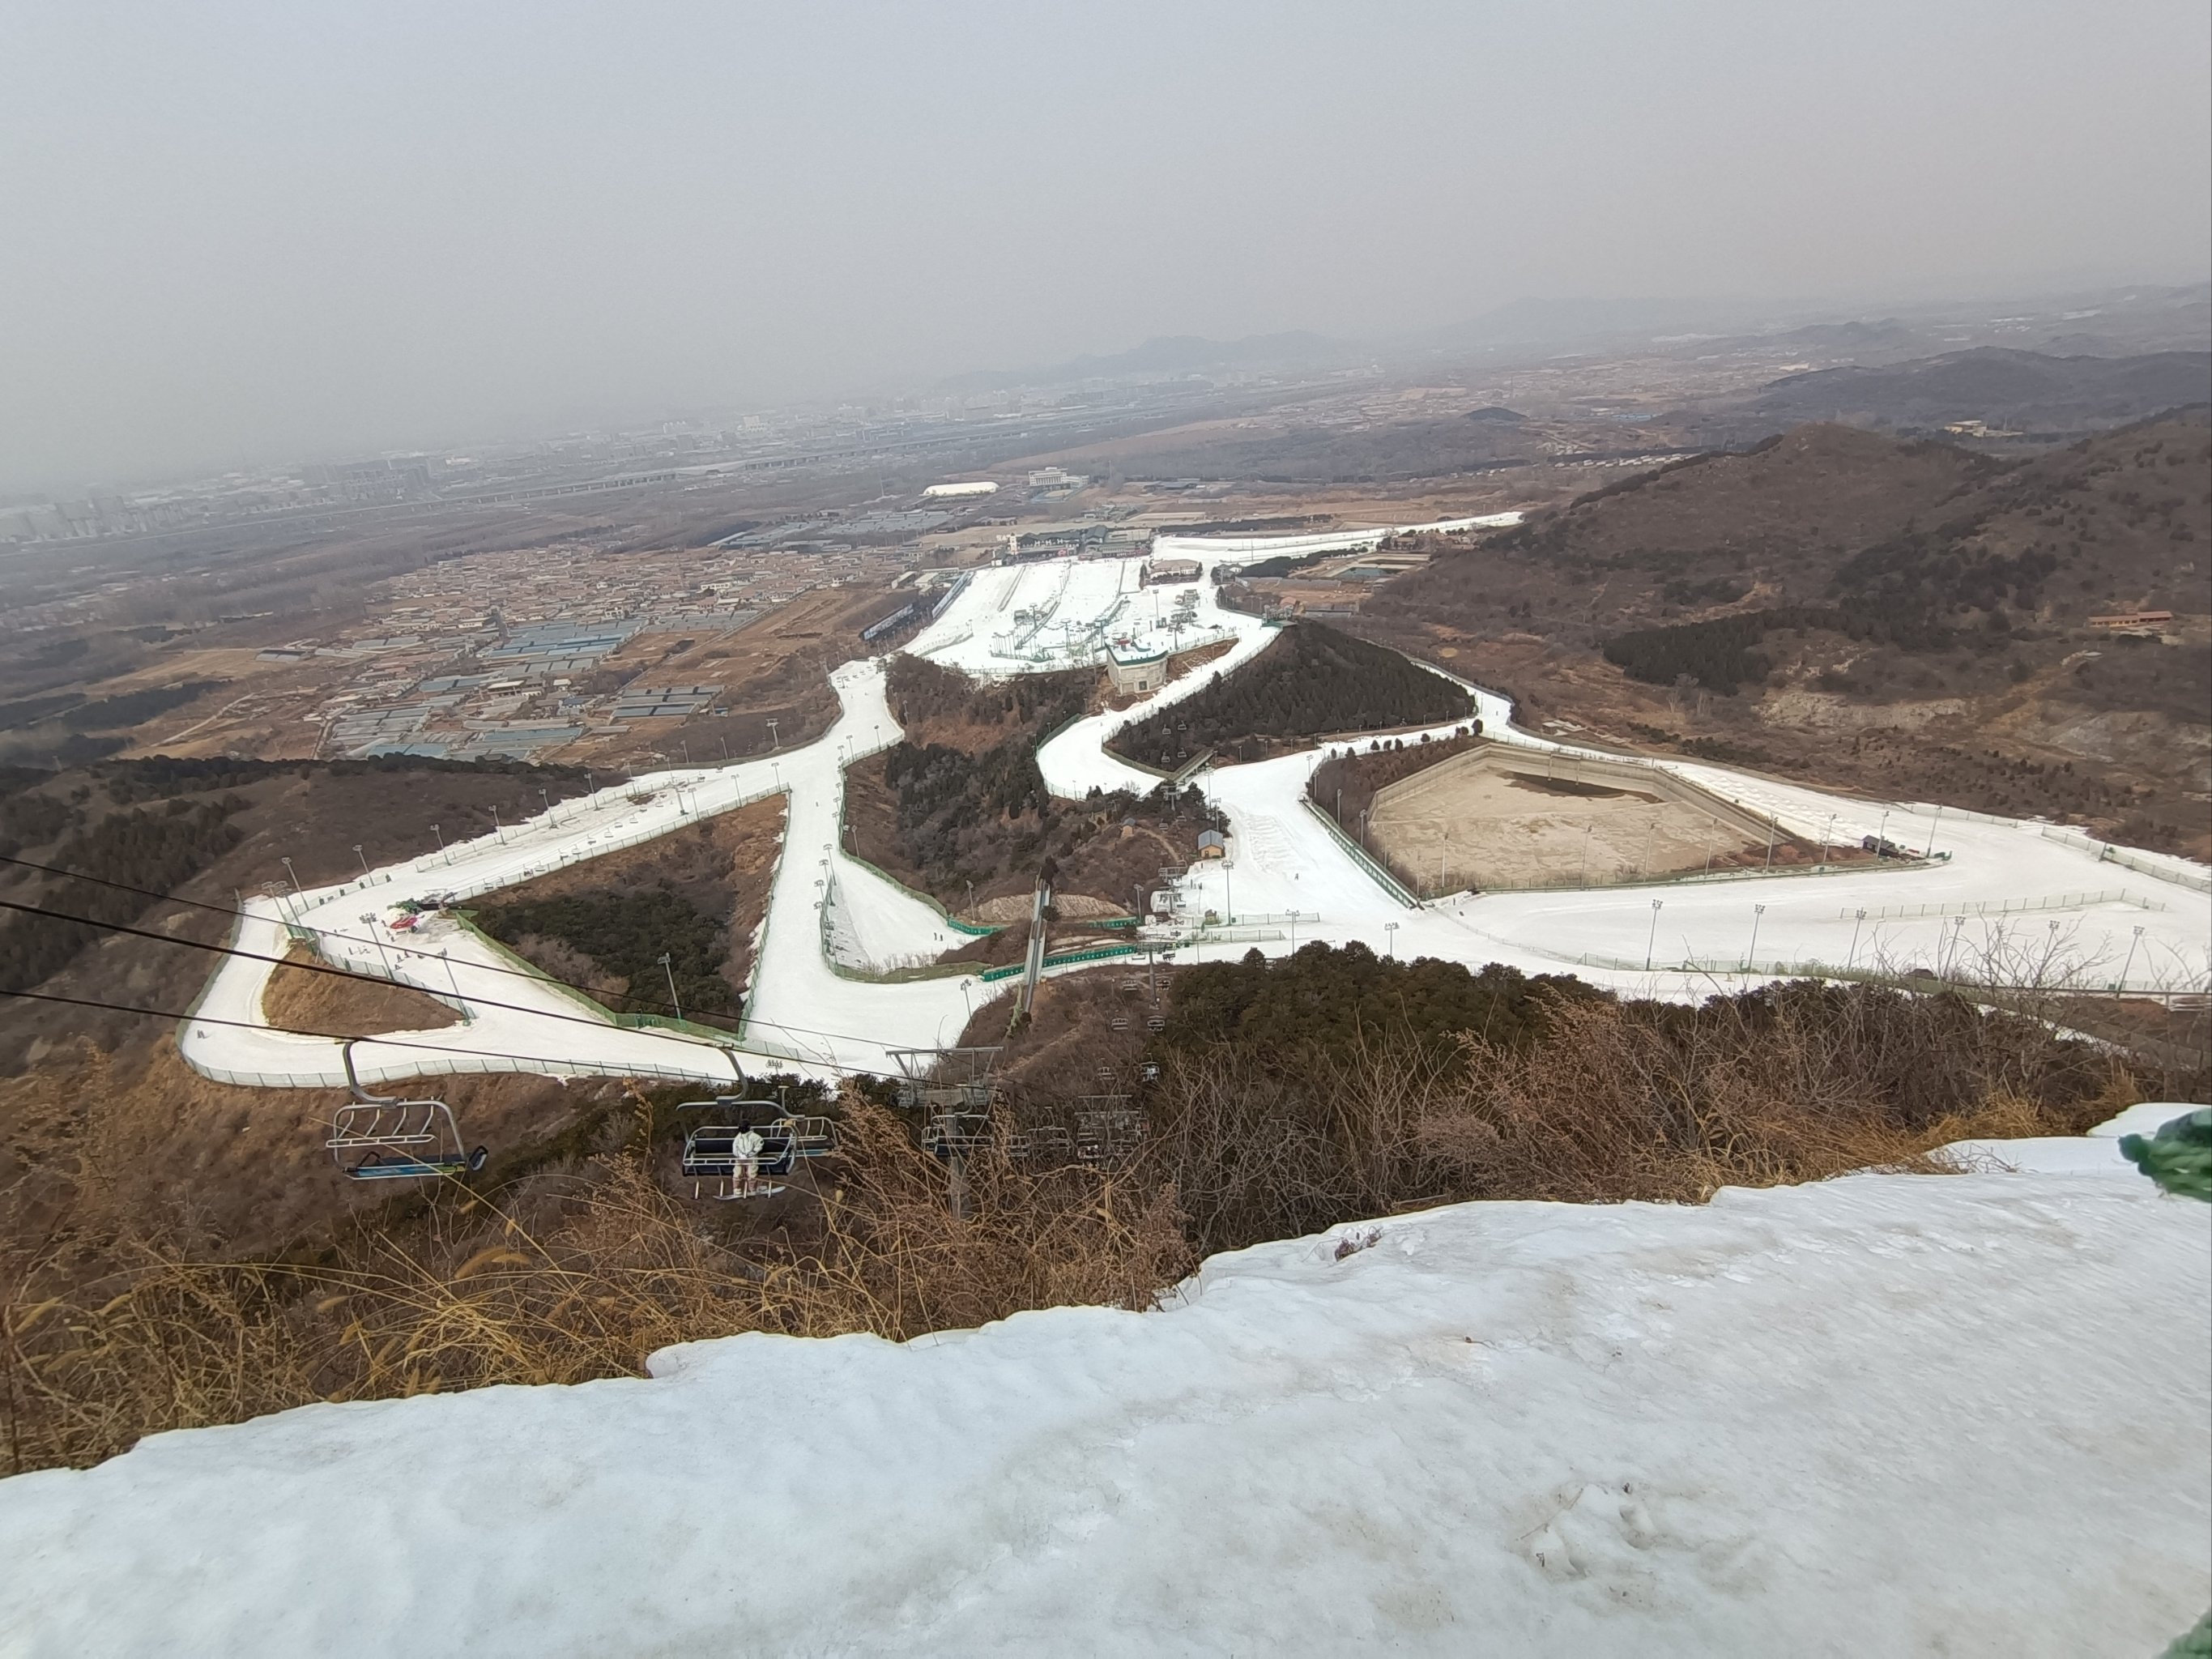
826	997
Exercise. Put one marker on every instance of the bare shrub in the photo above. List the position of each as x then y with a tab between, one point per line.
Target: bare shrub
470	1296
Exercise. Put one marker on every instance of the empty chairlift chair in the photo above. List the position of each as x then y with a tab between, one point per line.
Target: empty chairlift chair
383	1138
951	1136
1107	1129
1046	1143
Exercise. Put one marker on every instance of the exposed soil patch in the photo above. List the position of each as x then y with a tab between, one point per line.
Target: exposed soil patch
1574	787
299	999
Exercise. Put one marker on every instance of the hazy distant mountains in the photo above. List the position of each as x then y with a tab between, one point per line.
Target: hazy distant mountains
2025	390
2114	323
1169	356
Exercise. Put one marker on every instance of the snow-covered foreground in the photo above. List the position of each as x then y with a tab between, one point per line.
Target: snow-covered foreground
1884	1414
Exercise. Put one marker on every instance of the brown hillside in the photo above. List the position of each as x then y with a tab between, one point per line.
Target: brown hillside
1927	635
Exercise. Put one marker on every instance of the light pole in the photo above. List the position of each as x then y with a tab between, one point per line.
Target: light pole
1852	955
1773	824
1827	833
451	979
498	829
363	857
1752	955
1588	829
369	919
2130	961
772	743
440	835
295	875
1390	939
547	801
1929	850
685	748
675	1001
1882	834
1651	944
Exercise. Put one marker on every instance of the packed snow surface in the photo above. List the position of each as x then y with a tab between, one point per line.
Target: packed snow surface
1885	1414
2013	896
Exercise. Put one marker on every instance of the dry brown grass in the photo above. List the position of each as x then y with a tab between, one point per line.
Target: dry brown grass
297	999
123	1313
1615	1102
470	1296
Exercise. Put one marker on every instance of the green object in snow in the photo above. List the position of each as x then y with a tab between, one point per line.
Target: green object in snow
2197	1643
2178	1156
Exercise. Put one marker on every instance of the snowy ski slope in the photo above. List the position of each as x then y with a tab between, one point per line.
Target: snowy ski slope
1962	1414
1287	881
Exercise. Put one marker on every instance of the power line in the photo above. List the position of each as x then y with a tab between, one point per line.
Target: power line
343	1037
599	992
734	1046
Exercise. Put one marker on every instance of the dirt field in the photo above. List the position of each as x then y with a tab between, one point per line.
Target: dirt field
1487	819
300	1001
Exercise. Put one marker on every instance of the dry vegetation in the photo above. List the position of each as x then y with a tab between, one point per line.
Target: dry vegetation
1902	618
300	999
1288	1098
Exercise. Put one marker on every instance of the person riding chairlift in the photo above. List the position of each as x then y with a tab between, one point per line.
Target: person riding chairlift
745	1149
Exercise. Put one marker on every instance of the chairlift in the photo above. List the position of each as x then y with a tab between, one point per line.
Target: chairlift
1109	1132
1046	1143
1156	1022
749	1143
383	1138
956	1134
1118	1023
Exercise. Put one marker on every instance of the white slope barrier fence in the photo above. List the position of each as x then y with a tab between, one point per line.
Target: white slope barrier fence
2157	865
428	1060
595	847
2001	906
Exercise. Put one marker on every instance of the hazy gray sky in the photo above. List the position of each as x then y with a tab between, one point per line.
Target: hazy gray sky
240	231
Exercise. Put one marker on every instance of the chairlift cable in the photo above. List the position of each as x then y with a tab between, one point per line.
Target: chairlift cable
599	992
389	1041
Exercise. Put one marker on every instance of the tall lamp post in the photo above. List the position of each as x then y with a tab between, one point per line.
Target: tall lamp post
1651	944
675	1001
1752	955
363	857
2130	961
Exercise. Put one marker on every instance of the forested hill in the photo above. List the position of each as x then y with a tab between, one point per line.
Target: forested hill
1312	680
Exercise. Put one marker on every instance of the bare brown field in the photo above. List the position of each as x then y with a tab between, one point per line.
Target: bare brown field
300	999
1487	819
